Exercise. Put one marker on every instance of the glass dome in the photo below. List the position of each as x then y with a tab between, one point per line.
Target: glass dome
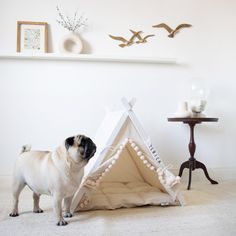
198	100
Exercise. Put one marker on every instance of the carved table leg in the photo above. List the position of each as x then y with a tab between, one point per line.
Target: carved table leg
191	148
182	167
190	175
200	165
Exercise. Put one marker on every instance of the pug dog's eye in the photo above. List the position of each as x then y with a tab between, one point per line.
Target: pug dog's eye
81	149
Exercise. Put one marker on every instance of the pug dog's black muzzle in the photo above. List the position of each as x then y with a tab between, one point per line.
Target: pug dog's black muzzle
89	148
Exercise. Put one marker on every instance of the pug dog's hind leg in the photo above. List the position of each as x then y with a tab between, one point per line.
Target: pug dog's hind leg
36	208
18	185
57	202
67	204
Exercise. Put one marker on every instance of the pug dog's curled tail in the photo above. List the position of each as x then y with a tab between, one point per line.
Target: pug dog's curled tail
25	148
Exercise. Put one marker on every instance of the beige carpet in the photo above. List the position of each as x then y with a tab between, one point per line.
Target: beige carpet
210	210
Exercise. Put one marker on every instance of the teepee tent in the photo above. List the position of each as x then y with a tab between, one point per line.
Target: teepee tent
126	170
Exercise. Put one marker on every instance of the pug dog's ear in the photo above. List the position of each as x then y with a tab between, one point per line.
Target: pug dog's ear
69	142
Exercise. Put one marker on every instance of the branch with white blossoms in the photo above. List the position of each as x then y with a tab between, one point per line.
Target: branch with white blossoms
75	24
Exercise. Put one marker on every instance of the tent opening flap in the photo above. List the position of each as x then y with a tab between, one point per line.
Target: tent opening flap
129	183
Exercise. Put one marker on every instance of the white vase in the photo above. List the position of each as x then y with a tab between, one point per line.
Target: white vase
71	43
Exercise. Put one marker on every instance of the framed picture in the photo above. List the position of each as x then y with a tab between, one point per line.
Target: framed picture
32	36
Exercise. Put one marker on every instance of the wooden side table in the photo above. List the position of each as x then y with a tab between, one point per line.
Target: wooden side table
192	163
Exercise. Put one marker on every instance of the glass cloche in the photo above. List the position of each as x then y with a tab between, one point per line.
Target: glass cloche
198	100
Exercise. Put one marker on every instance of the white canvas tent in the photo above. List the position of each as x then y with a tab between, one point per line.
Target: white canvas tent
126	170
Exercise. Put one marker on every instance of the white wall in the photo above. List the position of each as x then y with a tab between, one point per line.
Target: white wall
42	102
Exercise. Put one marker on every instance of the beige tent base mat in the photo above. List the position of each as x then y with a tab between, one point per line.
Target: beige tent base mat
113	195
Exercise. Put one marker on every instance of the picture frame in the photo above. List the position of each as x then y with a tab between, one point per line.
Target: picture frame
32	37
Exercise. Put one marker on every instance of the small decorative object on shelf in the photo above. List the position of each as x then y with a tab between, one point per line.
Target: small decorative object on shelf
71	43
198	100
171	31
32	37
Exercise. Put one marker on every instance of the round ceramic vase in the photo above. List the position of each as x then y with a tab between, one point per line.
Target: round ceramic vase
71	43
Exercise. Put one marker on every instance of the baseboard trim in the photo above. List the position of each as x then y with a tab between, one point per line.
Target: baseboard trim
218	174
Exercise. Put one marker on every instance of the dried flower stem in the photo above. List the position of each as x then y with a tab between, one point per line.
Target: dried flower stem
70	24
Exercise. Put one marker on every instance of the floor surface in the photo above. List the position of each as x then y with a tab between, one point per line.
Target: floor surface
210	210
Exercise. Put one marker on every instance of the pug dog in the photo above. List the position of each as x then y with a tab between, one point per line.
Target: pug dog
58	173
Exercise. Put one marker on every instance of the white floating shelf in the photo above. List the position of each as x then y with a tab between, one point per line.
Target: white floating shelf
88	57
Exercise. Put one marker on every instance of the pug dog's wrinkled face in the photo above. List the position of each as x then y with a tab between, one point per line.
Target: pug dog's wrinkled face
80	148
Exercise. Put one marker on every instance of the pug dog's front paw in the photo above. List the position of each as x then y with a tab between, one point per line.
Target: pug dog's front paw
14	214
37	210
67	215
62	223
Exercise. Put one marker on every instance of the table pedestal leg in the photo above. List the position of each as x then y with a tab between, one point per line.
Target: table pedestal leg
191	148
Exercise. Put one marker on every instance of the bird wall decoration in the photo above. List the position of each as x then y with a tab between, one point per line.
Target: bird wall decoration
171	31
138	39
142	39
132	40
125	41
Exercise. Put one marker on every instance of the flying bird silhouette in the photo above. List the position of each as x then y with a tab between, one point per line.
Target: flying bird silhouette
171	31
127	42
144	39
136	34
